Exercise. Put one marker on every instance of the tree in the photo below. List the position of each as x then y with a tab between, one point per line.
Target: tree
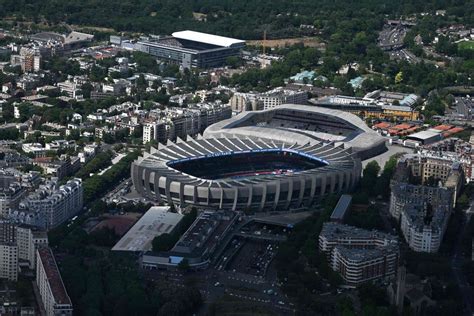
233	62
164	242
399	77
141	83
184	265
196	99
369	177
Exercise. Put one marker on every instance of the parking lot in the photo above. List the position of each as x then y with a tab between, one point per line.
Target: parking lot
253	258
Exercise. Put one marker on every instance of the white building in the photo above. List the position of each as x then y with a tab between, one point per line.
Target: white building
11	193
156	221
28	240
8	261
176	122
72	89
280	96
60	144
50	284
423	236
241	102
359	255
8	252
53	206
32	148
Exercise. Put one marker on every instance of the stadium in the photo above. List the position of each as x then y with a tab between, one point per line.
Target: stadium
284	158
193	49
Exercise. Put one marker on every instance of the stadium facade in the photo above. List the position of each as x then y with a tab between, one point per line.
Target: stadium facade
283	158
193	49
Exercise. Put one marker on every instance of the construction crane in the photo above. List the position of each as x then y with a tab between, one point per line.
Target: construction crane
264	43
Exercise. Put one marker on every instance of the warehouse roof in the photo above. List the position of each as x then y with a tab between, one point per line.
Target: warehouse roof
424	135
155	222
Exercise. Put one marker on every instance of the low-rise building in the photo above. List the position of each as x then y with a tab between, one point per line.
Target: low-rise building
198	243
341	209
368	108
156	221
71	89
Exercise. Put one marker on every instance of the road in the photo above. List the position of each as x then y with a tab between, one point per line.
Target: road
214	284
384	157
457	259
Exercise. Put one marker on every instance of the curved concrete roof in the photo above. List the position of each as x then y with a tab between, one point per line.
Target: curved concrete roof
335	159
362	140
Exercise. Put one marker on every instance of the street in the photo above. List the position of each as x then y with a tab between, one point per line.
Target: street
214	284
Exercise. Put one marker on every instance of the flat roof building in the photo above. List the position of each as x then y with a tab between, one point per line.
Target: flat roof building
191	49
342	208
208	39
156	221
426	137
359	255
53	294
197	244
367	107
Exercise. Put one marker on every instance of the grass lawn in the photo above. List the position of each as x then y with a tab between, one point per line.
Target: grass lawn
466	45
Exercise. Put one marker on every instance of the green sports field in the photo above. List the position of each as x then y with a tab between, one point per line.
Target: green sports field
466	45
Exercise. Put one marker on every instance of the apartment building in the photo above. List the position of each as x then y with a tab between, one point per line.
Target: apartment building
241	102
50	284
29	239
51	205
11	193
357	254
280	96
19	244
424	208
8	253
423	226
174	123
8	261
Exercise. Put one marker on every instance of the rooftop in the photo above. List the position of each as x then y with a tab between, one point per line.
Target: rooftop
423	135
341	207
204	233
208	38
155	222
54	277
332	230
365	254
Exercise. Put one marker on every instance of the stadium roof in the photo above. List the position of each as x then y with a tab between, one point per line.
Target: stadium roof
337	158
363	139
207	38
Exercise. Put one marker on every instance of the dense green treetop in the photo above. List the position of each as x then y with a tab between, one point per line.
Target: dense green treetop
244	19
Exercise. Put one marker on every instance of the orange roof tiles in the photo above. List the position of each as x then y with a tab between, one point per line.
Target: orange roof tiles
402	126
382	125
443	127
